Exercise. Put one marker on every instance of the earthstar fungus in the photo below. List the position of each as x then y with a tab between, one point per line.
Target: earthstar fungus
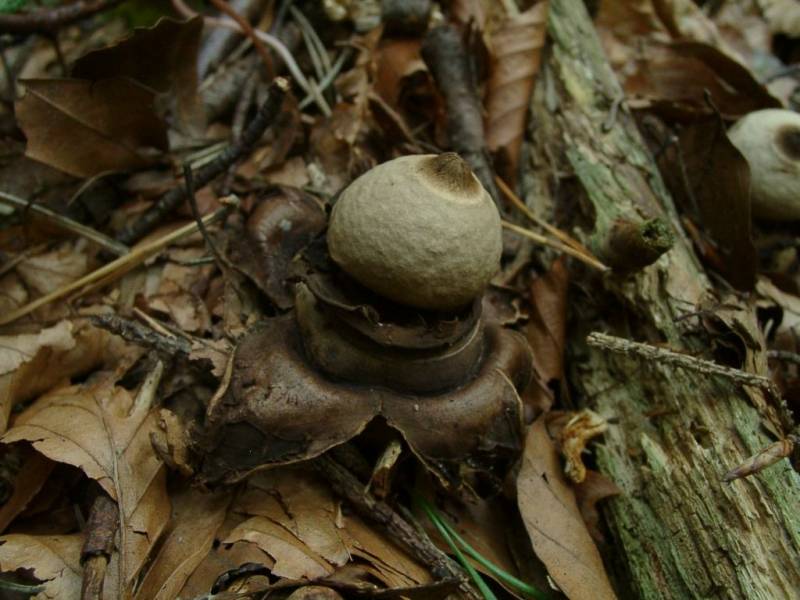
770	141
392	327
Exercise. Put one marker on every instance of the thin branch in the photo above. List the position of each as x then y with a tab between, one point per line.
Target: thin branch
98	546
350	488
246	98
47	20
141	335
450	64
678	359
584	258
65	223
562	235
190	191
204	175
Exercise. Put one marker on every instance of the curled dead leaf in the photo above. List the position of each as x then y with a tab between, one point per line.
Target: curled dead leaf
711	178
675	78
162	57
282	223
85	128
105	431
554	523
516	54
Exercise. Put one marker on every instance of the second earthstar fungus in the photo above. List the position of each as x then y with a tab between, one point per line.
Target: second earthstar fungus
307	380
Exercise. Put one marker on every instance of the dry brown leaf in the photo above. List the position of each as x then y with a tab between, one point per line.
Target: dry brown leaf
292	173
33	363
162	57
19	349
516	54
686	20
719	192
85	128
293	558
33	473
196	517
678	76
298	522
554	523
392	565
180	293
668	52
300	503
546	333
399	66
627	26
103	430
55	560
223	558
49	271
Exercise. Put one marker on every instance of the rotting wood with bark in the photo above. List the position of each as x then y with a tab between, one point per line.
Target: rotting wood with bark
679	531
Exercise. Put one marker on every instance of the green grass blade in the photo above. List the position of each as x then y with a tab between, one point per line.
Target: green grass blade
487	593
492	568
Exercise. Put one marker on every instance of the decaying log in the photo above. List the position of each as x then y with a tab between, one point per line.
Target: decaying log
678	530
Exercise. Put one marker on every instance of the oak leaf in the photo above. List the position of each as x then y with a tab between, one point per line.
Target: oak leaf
553	521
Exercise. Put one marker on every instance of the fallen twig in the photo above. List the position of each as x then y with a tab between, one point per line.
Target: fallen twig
678	359
141	335
98	546
784	355
46	20
112	270
188	178
555	231
270	40
765	458
446	56
540	239
204	175
65	223
347	486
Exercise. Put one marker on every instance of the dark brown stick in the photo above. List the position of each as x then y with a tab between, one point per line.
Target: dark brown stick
142	335
98	546
169	201
48	20
347	486
444	52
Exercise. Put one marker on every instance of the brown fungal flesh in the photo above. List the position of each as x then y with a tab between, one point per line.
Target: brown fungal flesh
344	353
279	408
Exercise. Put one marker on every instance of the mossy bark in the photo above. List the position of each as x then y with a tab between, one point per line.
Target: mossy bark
677	530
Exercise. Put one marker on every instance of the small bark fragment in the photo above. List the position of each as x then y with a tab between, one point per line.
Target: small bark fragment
445	53
98	546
